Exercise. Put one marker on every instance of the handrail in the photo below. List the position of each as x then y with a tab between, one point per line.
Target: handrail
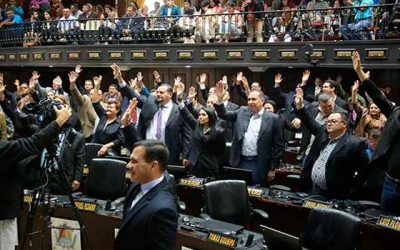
273	26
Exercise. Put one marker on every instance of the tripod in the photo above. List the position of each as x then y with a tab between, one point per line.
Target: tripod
41	196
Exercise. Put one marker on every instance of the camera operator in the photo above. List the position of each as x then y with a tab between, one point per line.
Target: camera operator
11	191
69	149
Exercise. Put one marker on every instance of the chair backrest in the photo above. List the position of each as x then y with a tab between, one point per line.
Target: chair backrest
328	229
227	200
230	173
276	239
91	150
106	179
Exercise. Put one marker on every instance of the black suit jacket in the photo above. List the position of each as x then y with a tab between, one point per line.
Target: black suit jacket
177	132
348	157
269	143
72	161
386	155
10	175
152	222
230	106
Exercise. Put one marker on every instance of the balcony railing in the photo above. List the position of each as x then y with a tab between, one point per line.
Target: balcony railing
271	26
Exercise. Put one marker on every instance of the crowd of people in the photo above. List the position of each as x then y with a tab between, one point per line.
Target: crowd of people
210	21
349	142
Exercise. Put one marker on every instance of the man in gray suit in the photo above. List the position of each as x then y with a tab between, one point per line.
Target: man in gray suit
257	143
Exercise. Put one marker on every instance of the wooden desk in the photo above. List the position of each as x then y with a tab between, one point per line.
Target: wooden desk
292	219
100	228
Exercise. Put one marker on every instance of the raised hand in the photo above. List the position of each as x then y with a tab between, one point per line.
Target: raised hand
192	93
355	57
296	122
139	77
78	69
133	82
116	71
355	86
97	81
73	75
202	78
126	118
2	86
306	76
298	100
278	79
220	91
239	78
35	75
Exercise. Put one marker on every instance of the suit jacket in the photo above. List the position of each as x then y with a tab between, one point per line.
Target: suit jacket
206	149
385	155
269	143
11	176
177	132
313	110
72	160
348	157
152	222
86	113
230	106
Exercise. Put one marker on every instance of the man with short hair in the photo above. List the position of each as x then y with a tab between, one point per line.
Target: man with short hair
159	118
336	166
330	87
75	11
257	143
150	215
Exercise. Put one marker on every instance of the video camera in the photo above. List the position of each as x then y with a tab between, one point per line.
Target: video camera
43	111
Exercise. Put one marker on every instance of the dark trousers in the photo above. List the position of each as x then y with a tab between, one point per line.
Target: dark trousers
391	195
259	173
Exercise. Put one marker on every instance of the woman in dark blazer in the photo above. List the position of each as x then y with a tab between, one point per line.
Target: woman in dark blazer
208	142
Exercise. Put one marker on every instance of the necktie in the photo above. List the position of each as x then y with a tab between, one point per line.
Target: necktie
159	122
134	117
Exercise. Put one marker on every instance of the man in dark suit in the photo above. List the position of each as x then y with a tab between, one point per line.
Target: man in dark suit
159	119
387	153
150	214
257	142
337	163
70	150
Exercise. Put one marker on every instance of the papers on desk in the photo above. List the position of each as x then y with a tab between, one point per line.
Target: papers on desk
65	234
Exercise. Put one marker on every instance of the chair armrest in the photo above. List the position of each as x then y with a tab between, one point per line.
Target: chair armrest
119	201
181	205
261	213
76	195
281	187
370	204
205	216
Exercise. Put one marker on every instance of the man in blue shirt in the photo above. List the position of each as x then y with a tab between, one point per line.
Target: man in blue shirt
362	20
11	19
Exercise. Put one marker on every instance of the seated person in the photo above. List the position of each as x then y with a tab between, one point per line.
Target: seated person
362	20
231	25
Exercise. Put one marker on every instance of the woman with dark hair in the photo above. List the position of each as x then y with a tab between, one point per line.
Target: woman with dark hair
287	126
208	142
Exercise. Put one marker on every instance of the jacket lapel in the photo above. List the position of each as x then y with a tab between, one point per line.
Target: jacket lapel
142	203
339	146
264	123
174	114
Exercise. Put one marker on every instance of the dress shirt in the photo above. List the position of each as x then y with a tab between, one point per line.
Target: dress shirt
152	129
169	11
145	188
249	146
318	173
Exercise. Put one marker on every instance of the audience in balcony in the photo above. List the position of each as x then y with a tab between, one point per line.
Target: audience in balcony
170	10
131	24
254	21
206	23
75	11
231	24
67	25
18	10
56	7
362	20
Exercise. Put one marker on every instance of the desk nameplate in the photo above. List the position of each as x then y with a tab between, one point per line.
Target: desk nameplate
222	239
28	198
191	182
255	192
87	206
389	222
316	204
